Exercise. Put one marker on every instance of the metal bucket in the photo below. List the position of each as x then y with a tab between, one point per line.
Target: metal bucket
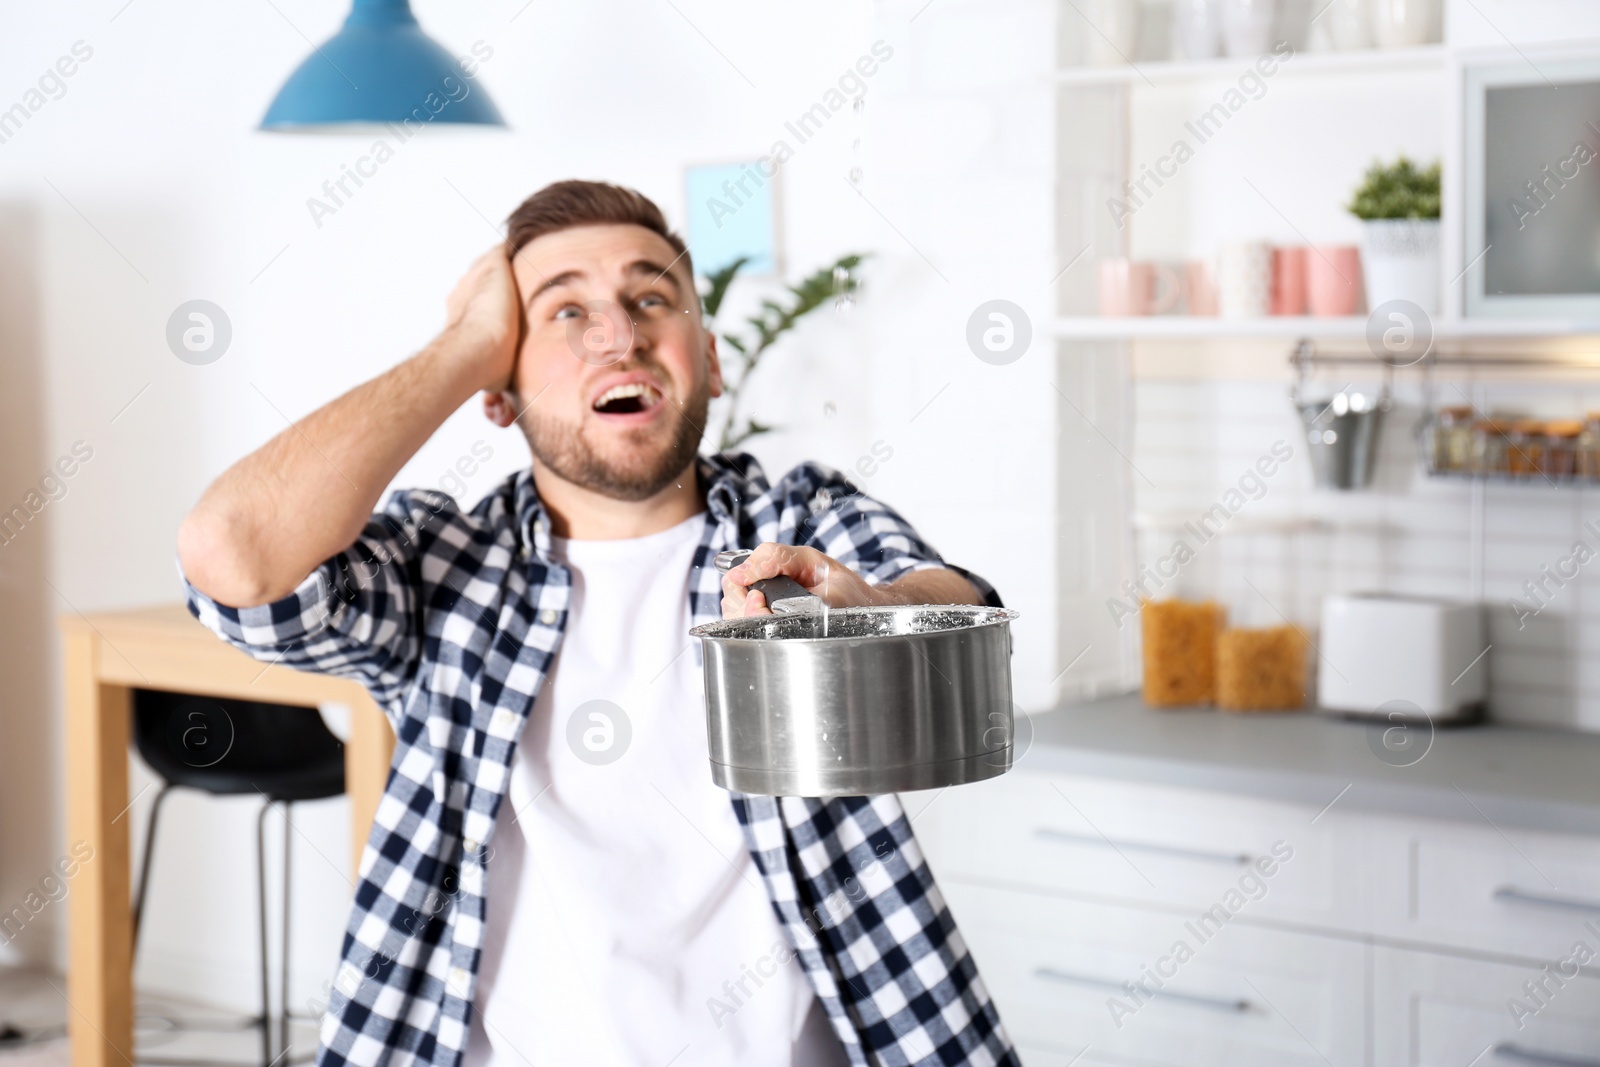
1342	437
858	701
1342	431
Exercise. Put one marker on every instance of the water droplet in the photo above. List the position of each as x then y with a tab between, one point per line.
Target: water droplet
860	104
829	410
844	303
855	175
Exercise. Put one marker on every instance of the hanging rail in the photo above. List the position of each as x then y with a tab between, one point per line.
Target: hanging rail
1304	356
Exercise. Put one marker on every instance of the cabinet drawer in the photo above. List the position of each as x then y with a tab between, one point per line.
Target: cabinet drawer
1134	842
1437	1011
1062	973
1527	895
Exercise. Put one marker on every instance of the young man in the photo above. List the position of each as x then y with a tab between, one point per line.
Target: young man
552	877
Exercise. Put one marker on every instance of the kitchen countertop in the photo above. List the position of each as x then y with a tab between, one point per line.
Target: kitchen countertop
1507	775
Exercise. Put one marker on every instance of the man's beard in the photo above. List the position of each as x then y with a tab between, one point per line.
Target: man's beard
566	450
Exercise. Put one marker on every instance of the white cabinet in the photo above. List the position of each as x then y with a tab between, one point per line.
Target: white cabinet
1374	939
1184	850
1519	894
1437	1011
1153	988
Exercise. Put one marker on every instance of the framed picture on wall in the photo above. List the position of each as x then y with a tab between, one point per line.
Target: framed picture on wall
732	211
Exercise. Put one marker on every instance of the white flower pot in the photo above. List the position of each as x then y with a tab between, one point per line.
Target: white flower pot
1401	262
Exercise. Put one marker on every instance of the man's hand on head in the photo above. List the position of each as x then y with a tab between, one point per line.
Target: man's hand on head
485	318
836	584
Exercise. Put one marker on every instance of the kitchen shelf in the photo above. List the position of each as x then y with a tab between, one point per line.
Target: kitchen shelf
1166	522
1302	64
1180	327
1094	328
1558	481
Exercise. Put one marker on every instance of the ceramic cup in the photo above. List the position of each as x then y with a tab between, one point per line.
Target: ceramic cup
1403	23
1197	29
1289	281
1333	280
1199	288
1170	288
1244	280
1247	26
1113	31
1132	287
1347	25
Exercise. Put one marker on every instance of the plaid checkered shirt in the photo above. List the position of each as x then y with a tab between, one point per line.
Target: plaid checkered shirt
452	621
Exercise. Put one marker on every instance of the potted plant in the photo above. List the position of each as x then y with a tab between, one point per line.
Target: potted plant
1398	205
742	352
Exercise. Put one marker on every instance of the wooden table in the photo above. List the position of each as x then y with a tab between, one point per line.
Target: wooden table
107	656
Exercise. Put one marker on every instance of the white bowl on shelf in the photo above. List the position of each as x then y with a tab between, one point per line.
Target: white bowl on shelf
1348	25
1197	29
1113	31
1404	23
1247	26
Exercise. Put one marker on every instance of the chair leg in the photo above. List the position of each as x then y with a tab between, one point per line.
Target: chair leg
261	918
283	996
149	856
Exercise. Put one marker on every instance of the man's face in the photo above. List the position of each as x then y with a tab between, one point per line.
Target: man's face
616	370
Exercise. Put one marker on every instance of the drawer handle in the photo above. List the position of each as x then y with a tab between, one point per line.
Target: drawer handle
1211	1003
1546	1059
1235	859
1510	895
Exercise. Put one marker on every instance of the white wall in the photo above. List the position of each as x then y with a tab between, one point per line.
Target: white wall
145	185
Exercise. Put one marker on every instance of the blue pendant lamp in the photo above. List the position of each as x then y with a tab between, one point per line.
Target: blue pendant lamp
380	67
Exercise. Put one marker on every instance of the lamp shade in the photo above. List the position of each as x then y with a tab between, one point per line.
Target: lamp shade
380	67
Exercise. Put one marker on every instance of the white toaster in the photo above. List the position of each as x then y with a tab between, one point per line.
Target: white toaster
1383	653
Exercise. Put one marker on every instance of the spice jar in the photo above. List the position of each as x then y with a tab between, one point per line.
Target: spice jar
1589	447
1525	447
1561	448
1488	447
1452	440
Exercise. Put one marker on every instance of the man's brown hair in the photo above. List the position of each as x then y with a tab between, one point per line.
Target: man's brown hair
569	204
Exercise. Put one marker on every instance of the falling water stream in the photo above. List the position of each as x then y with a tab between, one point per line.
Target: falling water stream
827	572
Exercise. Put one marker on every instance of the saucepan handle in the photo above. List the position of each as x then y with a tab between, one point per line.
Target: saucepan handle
784	595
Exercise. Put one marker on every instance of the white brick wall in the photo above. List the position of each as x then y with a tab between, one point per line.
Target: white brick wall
1407	534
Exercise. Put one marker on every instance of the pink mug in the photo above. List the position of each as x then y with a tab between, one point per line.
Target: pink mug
1200	288
1129	287
1333	280
1289	281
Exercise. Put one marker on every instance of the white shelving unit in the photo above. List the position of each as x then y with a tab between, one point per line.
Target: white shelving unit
1321	81
1185	327
1303	64
1182	327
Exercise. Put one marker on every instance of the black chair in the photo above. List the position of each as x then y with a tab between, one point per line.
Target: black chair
235	748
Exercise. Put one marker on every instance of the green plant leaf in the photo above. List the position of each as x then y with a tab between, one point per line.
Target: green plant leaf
766	328
1398	191
717	287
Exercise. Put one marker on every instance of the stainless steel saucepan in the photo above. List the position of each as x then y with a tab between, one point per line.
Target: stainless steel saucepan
813	701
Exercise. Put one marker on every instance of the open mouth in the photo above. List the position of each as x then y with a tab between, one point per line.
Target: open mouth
629	399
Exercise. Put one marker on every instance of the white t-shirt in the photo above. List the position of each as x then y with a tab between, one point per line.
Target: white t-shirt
626	922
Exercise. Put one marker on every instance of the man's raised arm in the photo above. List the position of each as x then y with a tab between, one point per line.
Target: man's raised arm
304	496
